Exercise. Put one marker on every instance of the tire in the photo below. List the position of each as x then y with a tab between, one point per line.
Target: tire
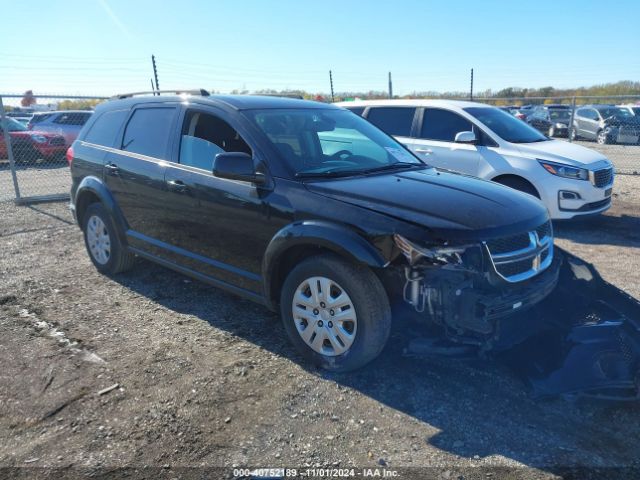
369	324
573	134
602	138
519	184
102	242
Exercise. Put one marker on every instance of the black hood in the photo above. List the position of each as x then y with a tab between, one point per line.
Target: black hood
454	206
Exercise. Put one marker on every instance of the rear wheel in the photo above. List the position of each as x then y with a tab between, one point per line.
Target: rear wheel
335	313
105	249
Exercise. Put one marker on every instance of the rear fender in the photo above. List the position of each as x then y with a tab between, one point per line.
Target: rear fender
92	186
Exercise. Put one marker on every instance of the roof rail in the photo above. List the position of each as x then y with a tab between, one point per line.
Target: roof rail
200	92
281	95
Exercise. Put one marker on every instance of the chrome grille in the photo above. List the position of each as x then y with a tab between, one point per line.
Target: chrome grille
602	178
520	257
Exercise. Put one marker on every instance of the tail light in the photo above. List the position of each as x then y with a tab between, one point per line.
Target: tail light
69	155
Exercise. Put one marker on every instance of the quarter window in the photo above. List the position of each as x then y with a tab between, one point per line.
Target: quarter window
204	136
392	120
148	132
356	110
106	127
443	125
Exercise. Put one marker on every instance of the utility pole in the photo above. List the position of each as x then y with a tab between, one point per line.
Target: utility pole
153	89
331	83
155	72
390	87
471	91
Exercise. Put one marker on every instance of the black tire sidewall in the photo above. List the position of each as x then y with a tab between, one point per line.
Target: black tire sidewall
369	301
97	209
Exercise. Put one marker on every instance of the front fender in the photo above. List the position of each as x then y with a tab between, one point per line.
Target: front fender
334	237
91	187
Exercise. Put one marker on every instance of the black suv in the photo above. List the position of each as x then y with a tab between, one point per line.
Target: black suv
552	120
309	210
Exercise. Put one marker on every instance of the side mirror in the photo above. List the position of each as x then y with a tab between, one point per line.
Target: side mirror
237	166
466	137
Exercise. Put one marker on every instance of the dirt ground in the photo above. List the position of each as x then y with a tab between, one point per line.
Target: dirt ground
152	370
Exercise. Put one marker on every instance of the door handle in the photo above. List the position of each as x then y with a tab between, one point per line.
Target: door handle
177	186
112	169
426	151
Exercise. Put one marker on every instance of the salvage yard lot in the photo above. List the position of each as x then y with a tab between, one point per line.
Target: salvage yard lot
206	379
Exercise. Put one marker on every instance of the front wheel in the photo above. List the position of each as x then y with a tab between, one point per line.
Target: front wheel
336	314
573	134
602	138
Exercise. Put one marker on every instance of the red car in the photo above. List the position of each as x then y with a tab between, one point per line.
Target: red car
32	144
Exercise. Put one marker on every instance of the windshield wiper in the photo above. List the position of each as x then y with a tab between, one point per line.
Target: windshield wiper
392	166
328	174
346	173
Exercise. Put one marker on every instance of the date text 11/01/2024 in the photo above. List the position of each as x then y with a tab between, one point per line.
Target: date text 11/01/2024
277	473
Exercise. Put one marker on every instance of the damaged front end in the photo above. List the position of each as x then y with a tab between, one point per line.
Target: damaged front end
559	325
470	289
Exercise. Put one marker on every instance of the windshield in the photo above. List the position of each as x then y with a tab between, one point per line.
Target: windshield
506	126
620	113
15	126
330	142
560	115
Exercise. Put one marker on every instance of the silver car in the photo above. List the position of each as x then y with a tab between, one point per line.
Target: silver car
66	123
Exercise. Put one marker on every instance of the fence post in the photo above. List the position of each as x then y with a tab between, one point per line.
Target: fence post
7	141
573	112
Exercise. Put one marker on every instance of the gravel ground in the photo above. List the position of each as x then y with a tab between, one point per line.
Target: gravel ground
195	377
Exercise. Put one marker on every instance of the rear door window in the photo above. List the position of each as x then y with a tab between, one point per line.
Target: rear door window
106	127
148	131
443	125
393	120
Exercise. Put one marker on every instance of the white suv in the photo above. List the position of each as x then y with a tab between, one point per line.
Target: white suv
486	142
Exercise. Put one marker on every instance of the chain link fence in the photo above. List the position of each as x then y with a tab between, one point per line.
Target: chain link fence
35	136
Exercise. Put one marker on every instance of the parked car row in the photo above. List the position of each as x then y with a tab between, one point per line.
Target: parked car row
606	124
66	123
29	145
46	135
486	142
602	123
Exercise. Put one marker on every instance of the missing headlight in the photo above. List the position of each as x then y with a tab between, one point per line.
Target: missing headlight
443	255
